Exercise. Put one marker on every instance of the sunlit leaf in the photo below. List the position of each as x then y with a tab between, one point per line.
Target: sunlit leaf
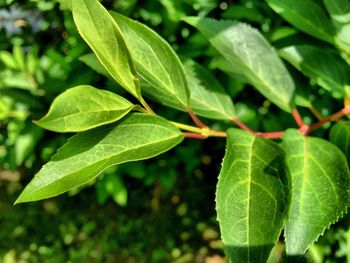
159	68
320	189
252	196
84	107
87	154
208	98
103	35
247	50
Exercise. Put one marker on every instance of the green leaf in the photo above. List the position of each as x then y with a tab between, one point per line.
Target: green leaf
159	68
219	62
87	154
26	143
320	189
340	136
84	107
8	59
19	57
251	197
331	72
247	50
305	15
208	98
102	34
339	11
92	61
32	59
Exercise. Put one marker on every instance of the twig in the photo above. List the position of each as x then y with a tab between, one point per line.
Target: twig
316	113
196	120
333	117
268	135
242	125
193	135
146	106
297	118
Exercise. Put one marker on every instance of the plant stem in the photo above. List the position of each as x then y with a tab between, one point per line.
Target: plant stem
268	135
147	107
315	112
242	125
196	120
333	117
297	118
206	132
195	136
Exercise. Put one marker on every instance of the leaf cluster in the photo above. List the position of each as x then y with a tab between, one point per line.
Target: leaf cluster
298	184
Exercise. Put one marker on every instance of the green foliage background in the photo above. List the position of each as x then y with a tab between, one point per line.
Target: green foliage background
161	210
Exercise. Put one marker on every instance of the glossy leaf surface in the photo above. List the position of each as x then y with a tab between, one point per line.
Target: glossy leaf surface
159	68
102	34
305	15
87	154
320	189
331	72
252	196
84	107
208	98
246	49
340	136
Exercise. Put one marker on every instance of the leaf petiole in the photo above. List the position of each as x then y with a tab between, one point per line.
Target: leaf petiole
207	132
146	106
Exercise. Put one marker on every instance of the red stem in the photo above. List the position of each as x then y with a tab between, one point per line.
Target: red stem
192	135
242	125
268	135
298	118
196	120
333	117
303	128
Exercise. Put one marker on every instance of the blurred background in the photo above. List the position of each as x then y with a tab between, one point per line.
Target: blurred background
159	210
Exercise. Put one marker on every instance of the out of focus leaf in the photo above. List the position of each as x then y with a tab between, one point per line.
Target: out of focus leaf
307	16
331	72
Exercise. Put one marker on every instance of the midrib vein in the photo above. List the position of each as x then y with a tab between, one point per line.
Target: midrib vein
249	190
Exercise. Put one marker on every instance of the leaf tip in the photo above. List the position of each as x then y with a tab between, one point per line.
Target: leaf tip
19	200
191	20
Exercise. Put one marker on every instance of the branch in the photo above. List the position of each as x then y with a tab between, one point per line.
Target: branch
268	135
146	106
198	133
333	117
196	120
297	118
193	135
315	112
242	125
